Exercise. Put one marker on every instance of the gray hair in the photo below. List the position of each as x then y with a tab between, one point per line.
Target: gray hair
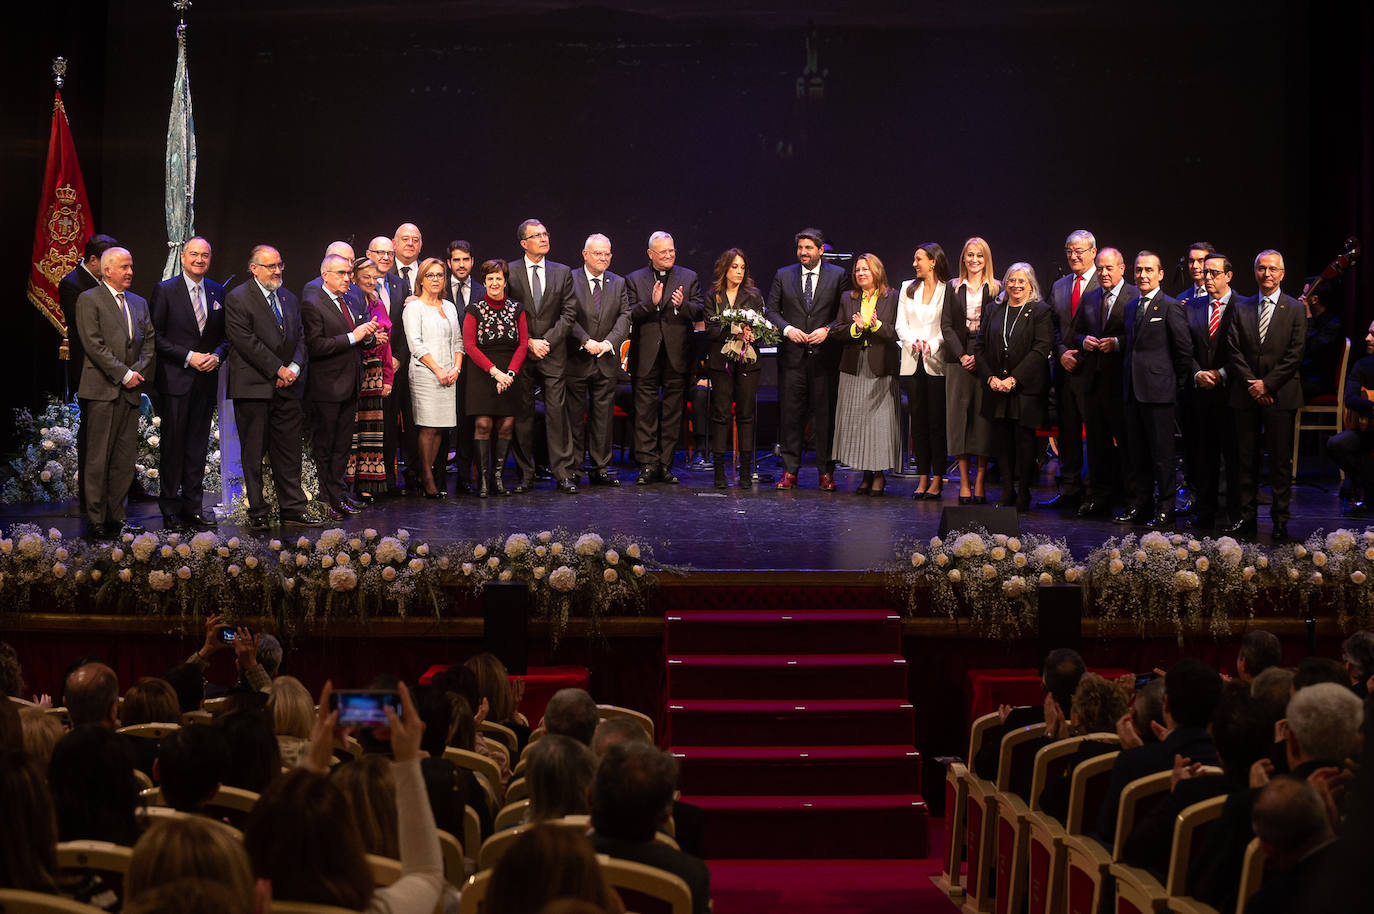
1022	267
269	651
572	712
524	226
1358	651
1265	253
258	249
595	236
1082	235
1325	719
659	236
111	253
331	258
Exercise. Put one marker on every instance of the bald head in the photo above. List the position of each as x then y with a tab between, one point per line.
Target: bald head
91	694
407	242
340	249
1111	267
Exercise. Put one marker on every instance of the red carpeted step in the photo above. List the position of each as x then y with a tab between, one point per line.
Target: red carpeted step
877	827
712	631
787	676
783	722
765	770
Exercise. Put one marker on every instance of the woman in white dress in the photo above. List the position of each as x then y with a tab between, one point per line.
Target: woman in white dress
919	309
436	358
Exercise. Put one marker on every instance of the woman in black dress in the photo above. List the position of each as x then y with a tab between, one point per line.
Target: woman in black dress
1012	354
496	337
967	433
734	383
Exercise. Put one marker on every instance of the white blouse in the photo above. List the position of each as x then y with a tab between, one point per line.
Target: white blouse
917	320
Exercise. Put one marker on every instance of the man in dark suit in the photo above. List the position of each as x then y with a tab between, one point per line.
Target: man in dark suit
804	303
1097	331
395	407
1155	357
1071	390
1209	426
266	359
544	288
335	335
1266	345
85	275
463	290
1290	819
1197	259
602	324
665	301
188	316
343	249
118	354
1061	672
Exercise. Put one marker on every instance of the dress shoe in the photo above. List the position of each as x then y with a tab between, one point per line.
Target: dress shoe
965	499
1008	498
461	487
343	507
665	475
522	485
827	482
336	515
1092	509
433	496
366	499
172	523
395	492
301	520
978	499
647	475
866	486
718	462
128	527
788	481
879	484
701	462
352	502
1164	520
200	522
1242	527
567	487
1064	501
1280	534
258	525
602	478
1135	517
540	472
97	532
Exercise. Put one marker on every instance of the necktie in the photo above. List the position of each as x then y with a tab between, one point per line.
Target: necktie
596	296
808	291
536	287
1077	295
128	319
1266	312
1144	306
198	307
344	312
276	309
405	282
1215	321
1107	302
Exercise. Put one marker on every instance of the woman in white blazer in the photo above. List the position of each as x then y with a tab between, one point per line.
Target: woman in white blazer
919	308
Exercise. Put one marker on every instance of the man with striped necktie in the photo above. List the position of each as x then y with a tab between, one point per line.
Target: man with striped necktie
1265	347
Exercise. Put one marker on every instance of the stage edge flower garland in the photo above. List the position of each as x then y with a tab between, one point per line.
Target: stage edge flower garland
335	574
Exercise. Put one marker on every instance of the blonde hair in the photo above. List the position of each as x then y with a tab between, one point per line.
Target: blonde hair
989	273
370	790
293	710
875	266
41	732
191	848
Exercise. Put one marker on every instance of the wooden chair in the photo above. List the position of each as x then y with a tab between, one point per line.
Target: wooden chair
1251	877
350	749
385	870
496	846
628	877
472	833
232	803
455	869
512	814
1011	824
482	765
144	782
306	907
1328	405
503	733
216	706
517	789
197	717
61	714
1083	868
639	717
957	776
104	856
1137	890
1045	854
18	901
474	892
496	751
20	702
149	731
147	815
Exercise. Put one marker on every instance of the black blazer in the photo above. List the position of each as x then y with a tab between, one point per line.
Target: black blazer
177	335
787	308
336	365
717	334
557	310
1156	354
1207	352
656	327
1061	300
1276	361
954	321
1025	358
612	324
400	346
877	346
68	291
258	347
357	298
1101	370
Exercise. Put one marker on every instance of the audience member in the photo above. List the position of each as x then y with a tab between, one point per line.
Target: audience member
293	713
1259	650
1312	670
254	756
1147	709
172	850
1290	820
28	830
91	693
572	712
615	730
256	657
449	787
567	866
1357	652
1272	689
1096	706
689	821
11	728
370	791
630	799
94	793
150	701
496	690
40	732
188	681
1062	669
1323	728
192	763
559	771
11	673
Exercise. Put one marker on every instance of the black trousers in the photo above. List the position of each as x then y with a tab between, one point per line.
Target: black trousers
185	442
659	391
400	419
554	390
1212	430
330	442
807	391
1073	406
272	429
1150	441
925	405
1104	416
1015	448
733	395
1271	429
591	398
1351	450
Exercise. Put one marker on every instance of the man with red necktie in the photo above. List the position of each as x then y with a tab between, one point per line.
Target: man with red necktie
1071	388
1209	422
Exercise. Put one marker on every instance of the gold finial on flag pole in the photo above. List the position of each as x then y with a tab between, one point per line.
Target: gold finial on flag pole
59	70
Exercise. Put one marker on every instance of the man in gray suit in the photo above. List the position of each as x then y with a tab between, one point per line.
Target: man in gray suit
1071	389
545	290
602	324
117	339
1265	344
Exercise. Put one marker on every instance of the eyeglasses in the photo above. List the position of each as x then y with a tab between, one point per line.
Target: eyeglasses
1212	274
1268	269
381	253
1076	252
533	235
433	276
340	272
271	267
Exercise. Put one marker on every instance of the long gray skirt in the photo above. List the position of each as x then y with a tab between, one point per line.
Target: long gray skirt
965	428
867	433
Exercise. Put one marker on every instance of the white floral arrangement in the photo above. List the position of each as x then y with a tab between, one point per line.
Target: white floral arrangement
45	468
735	321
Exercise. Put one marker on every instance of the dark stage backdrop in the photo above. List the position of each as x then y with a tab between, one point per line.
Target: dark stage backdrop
726	125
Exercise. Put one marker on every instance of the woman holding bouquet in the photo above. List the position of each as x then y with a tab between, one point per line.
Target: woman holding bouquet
497	339
732	362
920	306
866	427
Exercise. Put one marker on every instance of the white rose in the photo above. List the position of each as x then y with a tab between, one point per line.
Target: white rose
1357	577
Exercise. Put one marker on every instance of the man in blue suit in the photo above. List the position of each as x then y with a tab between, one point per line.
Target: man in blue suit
188	318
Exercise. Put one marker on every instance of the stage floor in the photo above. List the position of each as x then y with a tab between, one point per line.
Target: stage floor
703	528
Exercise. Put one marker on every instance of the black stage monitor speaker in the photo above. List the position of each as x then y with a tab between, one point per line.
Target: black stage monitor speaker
973	517
1060	613
505	618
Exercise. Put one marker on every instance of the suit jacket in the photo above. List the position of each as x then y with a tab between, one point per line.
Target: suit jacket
717	333
1190	742
68	291
174	320
878	347
954	322
1156	354
109	351
553	320
612	324
453	292
692	870
1101	370
1207	352
1061	301
356	297
400	346
787	308
258	347
1275	361
336	365
654	327
985	763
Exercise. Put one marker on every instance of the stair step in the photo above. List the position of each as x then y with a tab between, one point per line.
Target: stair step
787	722
880	826
765	770
708	631
801	676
